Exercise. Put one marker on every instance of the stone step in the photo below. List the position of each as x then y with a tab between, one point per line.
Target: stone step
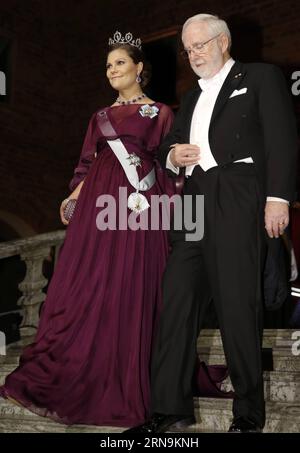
45	426
279	386
212	415
4	371
279	343
20	420
272	338
282	359
216	415
13	353
282	386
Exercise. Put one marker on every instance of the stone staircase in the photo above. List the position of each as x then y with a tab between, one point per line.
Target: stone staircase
282	384
282	391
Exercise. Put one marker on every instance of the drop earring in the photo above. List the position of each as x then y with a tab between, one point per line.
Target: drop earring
138	78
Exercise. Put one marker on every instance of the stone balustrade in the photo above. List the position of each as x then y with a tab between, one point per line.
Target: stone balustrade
33	251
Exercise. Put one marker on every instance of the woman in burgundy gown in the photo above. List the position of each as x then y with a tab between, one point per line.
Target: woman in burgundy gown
89	363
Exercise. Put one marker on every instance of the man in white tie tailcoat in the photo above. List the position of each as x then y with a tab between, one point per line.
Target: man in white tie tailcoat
235	139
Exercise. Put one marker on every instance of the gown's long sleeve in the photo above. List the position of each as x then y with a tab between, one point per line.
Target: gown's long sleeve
168	185
167	119
88	152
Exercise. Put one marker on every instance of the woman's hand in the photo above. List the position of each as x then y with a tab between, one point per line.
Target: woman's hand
74	196
61	211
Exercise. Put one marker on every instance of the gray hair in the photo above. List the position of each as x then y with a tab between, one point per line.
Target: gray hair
214	23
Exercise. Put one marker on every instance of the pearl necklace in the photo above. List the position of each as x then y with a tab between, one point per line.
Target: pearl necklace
131	101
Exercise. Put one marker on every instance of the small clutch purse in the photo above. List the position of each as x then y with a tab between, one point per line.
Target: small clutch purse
69	209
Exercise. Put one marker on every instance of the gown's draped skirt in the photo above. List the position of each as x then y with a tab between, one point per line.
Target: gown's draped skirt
91	356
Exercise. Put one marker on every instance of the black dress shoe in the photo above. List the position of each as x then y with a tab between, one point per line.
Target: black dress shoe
244	425
160	423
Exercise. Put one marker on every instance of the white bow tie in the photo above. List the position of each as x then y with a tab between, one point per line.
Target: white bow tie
206	84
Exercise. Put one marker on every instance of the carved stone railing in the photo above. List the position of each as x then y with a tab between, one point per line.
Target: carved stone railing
33	251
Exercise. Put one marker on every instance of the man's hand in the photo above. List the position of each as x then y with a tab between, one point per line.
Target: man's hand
276	218
183	155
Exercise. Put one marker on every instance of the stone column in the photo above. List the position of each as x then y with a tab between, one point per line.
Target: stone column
31	288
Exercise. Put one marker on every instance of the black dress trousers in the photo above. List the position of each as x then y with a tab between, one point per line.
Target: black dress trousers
226	266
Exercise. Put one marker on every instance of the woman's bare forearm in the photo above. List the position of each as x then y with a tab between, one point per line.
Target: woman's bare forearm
76	192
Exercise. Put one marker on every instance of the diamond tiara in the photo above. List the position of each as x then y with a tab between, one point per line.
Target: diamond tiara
127	39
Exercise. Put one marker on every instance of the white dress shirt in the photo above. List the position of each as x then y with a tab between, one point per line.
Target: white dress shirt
201	121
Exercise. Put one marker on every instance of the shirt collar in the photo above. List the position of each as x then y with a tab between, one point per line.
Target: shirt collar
218	79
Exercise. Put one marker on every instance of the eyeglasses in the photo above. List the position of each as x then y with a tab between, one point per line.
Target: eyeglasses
197	48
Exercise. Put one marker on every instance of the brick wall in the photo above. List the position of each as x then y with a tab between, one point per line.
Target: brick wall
32	178
59	80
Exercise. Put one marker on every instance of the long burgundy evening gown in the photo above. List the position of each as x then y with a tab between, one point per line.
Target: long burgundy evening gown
89	363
